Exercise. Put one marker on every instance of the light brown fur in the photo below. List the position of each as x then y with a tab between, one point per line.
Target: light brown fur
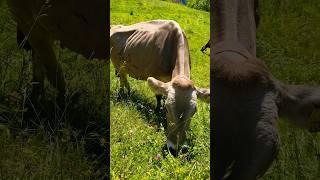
182	83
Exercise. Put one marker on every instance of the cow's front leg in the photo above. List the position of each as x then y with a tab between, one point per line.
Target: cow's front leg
158	107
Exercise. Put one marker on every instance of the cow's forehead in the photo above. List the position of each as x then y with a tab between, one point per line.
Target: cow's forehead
181	97
182	83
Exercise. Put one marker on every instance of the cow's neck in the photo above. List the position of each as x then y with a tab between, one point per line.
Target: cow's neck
233	20
182	66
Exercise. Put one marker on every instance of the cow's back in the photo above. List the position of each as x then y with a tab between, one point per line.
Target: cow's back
146	49
80	25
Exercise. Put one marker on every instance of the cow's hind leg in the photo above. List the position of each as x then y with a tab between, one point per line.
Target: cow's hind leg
53	70
38	76
124	84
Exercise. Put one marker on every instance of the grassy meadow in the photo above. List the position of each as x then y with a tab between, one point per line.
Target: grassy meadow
45	142
288	41
135	136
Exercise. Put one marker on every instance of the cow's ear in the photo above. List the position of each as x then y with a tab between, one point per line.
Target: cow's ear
157	86
203	94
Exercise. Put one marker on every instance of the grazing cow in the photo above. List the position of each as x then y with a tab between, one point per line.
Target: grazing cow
157	51
247	100
79	25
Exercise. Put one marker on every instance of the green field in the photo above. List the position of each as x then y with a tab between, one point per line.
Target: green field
53	144
135	136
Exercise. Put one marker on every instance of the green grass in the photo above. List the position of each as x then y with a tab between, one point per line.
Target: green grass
199	4
288	41
66	147
136	138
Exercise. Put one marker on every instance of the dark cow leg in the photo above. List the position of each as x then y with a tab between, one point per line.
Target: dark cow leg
124	82
56	78
44	61
38	76
21	41
159	98
254	162
53	69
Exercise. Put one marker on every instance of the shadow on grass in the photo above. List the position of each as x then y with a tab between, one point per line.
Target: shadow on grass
156	119
87	119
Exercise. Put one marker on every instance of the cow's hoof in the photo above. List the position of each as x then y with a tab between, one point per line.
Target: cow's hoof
173	152
184	149
170	150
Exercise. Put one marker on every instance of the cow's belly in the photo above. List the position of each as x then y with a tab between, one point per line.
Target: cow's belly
142	63
72	22
151	69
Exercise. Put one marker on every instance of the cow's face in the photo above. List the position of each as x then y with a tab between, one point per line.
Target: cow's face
180	105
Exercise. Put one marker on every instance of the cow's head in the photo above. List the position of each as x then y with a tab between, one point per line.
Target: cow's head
301	105
181	104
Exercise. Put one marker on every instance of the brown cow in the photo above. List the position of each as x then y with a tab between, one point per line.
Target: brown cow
78	24
157	51
247	100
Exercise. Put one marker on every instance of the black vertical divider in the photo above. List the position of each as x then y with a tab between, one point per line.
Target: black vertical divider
107	20
212	122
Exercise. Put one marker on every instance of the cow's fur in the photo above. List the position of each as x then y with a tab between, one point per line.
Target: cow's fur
157	51
78	24
257	22
247	101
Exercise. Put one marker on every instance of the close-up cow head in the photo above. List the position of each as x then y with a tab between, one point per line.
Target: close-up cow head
180	104
301	105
